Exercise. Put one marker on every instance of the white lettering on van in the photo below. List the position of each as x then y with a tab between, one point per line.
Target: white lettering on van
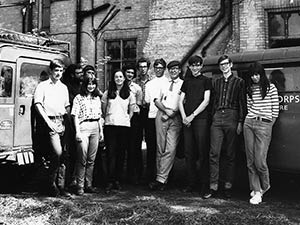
289	99
283	107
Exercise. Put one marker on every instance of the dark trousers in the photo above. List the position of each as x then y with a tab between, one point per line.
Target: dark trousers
116	142
223	136
196	140
146	126
134	153
150	137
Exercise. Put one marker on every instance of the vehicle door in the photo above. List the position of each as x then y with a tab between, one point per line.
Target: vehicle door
7	90
29	73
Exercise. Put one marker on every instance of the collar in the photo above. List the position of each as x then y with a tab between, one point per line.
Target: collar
175	81
228	78
51	82
144	81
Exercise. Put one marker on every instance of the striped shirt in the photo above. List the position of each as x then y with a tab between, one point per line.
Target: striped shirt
267	108
229	94
142	84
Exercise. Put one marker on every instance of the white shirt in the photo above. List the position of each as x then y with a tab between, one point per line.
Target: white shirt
170	98
153	89
54	97
117	110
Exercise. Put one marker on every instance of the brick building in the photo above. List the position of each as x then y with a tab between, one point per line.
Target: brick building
172	29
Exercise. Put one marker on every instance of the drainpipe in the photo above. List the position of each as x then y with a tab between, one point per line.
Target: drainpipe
227	23
206	33
78	31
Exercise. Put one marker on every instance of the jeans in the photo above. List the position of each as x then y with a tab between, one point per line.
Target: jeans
167	133
223	136
257	135
196	146
86	153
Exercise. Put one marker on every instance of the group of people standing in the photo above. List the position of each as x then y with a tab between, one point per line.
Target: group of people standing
210	113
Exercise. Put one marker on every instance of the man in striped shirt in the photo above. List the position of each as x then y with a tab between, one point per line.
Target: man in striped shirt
229	107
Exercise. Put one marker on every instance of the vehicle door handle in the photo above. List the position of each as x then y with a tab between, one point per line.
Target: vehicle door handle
21	110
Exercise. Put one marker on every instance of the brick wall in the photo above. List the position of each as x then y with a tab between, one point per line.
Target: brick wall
176	25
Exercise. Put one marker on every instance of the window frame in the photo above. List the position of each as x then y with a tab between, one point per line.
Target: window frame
285	40
122	60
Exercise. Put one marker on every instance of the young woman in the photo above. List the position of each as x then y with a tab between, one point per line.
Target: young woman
263	109
87	113
117	104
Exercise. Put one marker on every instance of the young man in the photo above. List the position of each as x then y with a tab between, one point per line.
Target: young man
133	143
168	125
151	92
142	79
51	100
229	104
195	92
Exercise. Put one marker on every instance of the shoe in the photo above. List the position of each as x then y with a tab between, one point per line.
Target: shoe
108	188
156	185
252	193
117	186
64	193
210	194
53	190
256	199
188	189
227	193
90	189
79	192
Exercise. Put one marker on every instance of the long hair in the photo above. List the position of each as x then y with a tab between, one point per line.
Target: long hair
264	84
112	87
85	83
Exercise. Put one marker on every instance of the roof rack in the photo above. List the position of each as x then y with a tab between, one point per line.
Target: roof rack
33	40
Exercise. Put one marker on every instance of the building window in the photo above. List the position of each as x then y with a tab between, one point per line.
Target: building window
46	5
284	29
120	52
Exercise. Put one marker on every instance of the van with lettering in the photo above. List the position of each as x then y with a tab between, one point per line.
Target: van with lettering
282	66
24	62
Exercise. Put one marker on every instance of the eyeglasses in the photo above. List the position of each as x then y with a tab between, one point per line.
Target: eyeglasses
128	71
224	64
196	65
143	66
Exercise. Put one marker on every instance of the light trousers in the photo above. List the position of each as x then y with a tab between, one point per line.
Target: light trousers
167	135
257	135
86	153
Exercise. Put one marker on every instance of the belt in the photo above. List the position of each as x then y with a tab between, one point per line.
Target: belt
262	119
90	120
56	117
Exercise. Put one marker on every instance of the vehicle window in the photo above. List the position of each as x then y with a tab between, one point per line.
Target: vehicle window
31	75
6	81
285	78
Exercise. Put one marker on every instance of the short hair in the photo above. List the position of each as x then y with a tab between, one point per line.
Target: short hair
223	57
56	63
160	61
128	66
88	67
141	60
195	59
